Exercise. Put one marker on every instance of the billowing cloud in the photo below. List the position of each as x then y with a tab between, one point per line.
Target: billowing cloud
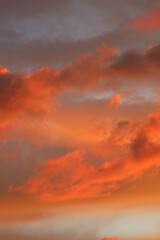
127	153
18	92
35	91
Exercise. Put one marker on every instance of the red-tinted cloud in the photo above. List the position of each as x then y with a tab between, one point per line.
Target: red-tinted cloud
28	112
147	21
127	153
34	94
115	100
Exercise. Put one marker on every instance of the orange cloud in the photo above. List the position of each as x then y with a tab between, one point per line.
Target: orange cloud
34	94
3	70
127	153
25	100
147	21
115	100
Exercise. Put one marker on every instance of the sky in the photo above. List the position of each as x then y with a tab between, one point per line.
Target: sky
79	120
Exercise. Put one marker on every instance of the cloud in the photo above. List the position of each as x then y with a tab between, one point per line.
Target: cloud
27	44
127	153
18	91
111	239
33	96
38	53
115	100
135	64
32	9
148	21
57	142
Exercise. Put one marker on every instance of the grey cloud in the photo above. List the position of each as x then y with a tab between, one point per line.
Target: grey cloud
52	33
20	9
38	53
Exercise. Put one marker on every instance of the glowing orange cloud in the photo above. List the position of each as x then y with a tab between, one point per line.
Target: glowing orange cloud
115	100
34	94
147	21
75	175
3	70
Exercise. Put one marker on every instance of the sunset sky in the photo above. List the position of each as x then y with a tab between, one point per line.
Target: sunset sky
79	120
